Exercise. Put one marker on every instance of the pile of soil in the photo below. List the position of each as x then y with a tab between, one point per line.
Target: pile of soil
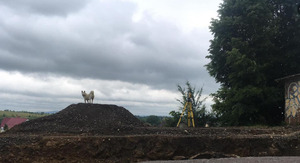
109	133
83	119
104	119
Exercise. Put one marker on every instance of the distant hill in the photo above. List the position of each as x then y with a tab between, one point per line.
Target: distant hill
22	114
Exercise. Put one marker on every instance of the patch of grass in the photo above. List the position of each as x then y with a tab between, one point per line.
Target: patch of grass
21	114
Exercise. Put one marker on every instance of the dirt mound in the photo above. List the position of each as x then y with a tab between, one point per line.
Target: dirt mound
83	118
108	133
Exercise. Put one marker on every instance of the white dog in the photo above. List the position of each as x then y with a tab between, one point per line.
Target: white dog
88	98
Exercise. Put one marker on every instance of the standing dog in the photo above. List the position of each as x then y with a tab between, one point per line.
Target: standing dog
88	98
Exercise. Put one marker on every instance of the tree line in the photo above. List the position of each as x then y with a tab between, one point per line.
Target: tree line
254	43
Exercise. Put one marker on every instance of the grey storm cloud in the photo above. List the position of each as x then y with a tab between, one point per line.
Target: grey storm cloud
131	53
98	41
53	7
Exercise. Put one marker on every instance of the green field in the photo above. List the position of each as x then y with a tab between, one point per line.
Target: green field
21	114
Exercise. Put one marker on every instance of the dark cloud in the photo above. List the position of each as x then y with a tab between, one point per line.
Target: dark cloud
100	42
53	7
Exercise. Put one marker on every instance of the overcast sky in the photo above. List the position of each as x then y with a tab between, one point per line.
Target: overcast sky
132	53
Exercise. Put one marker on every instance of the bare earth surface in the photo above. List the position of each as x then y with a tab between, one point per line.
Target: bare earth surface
109	133
291	159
